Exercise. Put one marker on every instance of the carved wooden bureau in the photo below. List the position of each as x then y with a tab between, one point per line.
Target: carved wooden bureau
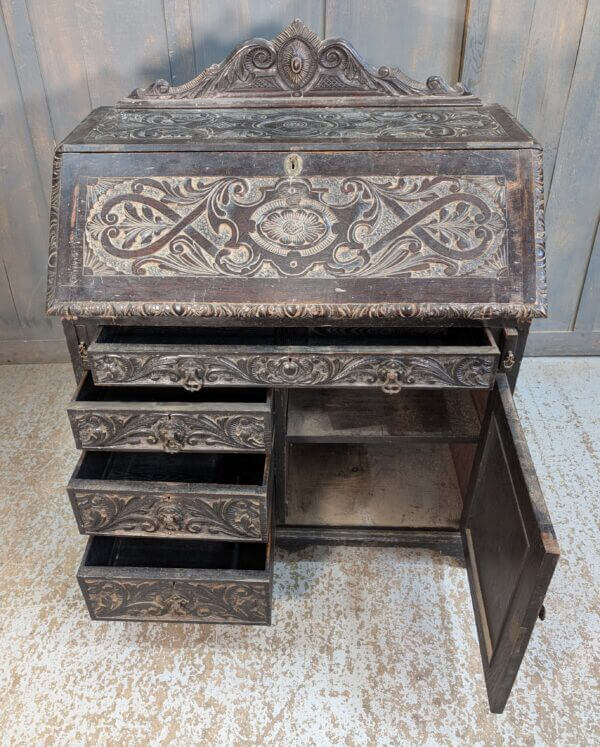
296	292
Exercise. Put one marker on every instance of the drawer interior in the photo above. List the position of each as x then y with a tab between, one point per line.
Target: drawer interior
90	392
220	469
147	335
301	336
136	552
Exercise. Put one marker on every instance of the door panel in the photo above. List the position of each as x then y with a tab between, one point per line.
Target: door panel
509	543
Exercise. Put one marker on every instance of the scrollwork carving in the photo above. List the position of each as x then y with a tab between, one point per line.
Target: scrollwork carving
309	369
296	63
200	601
173	515
171	433
383	124
317	227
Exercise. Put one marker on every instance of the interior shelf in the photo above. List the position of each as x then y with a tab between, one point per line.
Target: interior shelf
413	485
351	416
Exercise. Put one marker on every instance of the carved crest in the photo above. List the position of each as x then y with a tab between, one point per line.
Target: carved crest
296	63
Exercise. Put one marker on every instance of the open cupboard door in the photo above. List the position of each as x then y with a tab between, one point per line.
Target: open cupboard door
509	542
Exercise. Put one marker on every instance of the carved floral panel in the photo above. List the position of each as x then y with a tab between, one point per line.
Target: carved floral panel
233	517
385	124
390	372
170	433
194	601
314	227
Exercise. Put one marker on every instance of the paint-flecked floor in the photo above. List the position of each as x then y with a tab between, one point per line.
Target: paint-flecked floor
368	646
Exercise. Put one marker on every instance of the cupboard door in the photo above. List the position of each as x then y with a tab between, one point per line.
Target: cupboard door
510	545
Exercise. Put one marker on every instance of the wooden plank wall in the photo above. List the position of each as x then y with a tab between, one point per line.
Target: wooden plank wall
60	58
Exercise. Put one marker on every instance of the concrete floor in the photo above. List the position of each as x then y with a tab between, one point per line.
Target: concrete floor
368	646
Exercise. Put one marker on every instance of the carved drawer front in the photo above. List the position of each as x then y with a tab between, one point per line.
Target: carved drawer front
390	359
212	496
169	420
164	580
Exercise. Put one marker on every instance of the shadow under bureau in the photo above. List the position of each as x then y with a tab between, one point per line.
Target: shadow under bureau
296	292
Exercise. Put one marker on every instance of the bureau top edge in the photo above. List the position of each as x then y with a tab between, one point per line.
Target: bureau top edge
312	128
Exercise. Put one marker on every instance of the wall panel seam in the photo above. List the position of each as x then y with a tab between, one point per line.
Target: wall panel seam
587	267
164	14
566	106
10	290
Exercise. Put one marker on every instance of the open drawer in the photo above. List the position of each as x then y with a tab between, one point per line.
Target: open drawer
390	359
170	420
214	496
163	580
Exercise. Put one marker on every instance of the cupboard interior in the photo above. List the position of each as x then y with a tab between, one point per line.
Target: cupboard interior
368	459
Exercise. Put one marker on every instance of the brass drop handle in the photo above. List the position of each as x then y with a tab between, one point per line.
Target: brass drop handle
171	445
509	360
192	382
391	383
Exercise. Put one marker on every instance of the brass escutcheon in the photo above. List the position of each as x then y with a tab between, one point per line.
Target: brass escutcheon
293	164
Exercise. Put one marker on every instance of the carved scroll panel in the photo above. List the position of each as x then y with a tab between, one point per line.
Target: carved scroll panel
322	227
161	515
179	601
302	125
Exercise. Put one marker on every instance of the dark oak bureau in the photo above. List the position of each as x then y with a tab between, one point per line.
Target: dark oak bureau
296	291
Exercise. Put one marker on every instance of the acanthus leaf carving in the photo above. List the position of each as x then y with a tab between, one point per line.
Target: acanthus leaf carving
168	432
194	601
309	369
238	517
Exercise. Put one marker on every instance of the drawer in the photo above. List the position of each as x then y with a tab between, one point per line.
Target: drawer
213	496
390	359
170	420
165	580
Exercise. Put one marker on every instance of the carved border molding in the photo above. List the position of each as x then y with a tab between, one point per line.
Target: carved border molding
540	234
297	63
309	312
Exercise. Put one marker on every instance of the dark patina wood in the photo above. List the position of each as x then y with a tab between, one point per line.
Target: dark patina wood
368	250
466	360
147	419
212	496
509	544
177	581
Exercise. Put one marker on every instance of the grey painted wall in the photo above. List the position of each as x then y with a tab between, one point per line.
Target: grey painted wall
61	58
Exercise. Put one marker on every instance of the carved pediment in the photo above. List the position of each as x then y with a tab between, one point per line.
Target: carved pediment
296	63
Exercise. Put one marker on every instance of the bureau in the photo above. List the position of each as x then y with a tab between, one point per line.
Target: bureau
296	291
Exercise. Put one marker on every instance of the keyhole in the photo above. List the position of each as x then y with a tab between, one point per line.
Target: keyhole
293	165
